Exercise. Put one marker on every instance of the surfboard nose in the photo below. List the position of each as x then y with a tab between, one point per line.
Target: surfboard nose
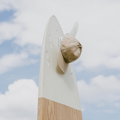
74	30
75	27
53	17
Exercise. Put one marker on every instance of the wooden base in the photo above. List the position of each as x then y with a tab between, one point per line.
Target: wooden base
50	110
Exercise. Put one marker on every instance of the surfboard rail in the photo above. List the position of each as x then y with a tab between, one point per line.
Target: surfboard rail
58	97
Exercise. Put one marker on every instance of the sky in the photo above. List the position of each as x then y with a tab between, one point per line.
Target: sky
22	25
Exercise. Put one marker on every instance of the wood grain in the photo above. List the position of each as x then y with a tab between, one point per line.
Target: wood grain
50	110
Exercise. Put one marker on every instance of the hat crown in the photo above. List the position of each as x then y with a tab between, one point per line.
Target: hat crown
70	48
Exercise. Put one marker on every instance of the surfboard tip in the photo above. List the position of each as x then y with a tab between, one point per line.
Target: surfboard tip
53	16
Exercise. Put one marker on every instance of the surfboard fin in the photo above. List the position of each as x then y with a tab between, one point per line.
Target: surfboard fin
74	30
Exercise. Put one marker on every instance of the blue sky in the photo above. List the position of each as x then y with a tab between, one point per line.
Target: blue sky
22	25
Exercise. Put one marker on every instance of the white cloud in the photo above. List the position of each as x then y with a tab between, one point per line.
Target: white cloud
32	49
83	109
101	104
10	61
10	30
100	36
20	101
109	111
100	89
117	105
98	21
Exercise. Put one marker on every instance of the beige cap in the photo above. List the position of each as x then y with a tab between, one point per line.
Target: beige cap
70	50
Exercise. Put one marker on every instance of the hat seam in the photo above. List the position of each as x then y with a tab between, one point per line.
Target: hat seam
71	47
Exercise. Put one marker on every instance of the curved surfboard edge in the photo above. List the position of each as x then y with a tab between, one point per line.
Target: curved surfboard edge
40	92
57	92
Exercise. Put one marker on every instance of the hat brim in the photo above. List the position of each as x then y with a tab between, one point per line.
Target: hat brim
61	62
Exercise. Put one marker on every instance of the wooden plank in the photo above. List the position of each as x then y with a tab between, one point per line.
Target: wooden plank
50	110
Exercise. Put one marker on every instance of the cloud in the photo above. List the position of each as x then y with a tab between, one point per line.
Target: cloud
117	104
10	30
109	111
27	25
32	49
10	61
100	36
100	89
98	32
20	101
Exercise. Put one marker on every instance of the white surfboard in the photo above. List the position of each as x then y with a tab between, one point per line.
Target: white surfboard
57	91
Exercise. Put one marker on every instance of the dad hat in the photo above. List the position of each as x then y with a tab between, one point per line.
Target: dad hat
70	50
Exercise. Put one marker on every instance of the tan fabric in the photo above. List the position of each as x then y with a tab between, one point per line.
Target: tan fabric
70	51
61	62
70	48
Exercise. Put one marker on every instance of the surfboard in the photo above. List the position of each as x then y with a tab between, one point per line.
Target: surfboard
58	97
